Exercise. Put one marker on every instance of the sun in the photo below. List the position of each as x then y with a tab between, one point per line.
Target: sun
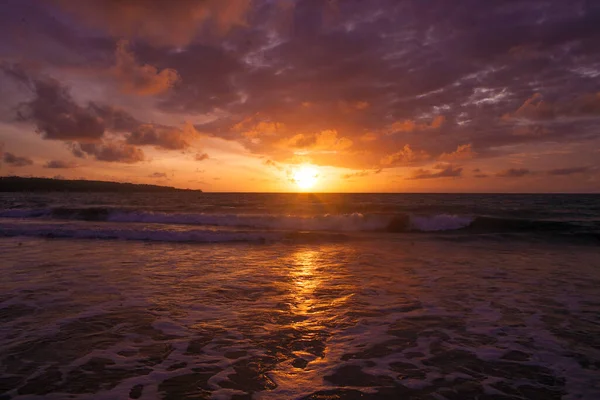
305	177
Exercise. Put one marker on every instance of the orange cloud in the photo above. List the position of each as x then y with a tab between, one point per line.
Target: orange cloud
141	79
262	128
368	137
437	122
403	126
404	156
326	140
409	125
463	152
201	156
534	108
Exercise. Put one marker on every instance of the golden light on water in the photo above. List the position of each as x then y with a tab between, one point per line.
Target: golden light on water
306	279
306	177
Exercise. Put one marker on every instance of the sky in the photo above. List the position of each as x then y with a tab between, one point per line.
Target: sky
254	95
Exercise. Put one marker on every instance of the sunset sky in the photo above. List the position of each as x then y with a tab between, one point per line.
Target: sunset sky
251	95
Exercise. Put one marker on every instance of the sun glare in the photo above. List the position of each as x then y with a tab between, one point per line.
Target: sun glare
305	177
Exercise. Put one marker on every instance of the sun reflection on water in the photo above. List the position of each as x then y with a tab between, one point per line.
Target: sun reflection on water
306	277
319	293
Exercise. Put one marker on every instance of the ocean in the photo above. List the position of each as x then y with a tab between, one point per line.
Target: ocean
190	295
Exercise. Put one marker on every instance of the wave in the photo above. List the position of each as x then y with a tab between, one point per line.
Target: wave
53	231
355	222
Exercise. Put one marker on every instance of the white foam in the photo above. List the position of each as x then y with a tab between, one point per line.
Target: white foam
159	235
353	222
326	222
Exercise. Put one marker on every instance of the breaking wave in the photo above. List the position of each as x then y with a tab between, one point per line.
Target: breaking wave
355	222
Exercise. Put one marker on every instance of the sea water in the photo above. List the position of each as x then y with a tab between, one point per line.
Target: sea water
299	296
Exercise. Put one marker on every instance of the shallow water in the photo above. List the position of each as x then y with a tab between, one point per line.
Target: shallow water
394	316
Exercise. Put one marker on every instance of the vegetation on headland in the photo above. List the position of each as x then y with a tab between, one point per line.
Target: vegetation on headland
19	184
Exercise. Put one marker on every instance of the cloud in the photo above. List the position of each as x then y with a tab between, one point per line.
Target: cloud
201	157
326	140
361	174
481	175
144	79
463	152
352	106
59	164
58	117
411	125
159	175
115	119
318	76
587	105
438	171
534	108
251	129
162	23
404	156
271	163
53	110
513	173
16	161
287	75
368	137
165	137
569	171
109	151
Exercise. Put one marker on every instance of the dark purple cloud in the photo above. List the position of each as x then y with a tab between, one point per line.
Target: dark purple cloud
110	152
56	114
439	171
58	117
115	119
162	136
514	173
569	171
53	110
59	164
16	161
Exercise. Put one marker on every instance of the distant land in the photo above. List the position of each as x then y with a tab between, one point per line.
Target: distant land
19	184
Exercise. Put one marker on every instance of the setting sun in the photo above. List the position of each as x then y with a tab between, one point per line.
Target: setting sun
305	177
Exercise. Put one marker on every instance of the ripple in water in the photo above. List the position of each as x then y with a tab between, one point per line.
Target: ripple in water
389	319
